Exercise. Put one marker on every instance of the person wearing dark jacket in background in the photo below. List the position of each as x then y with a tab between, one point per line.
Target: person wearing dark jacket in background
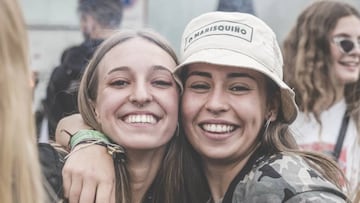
98	20
243	6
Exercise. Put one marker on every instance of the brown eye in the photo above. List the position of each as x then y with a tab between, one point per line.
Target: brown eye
162	83
239	88
199	86
119	83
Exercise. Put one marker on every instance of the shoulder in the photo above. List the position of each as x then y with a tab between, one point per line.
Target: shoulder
285	178
74	53
52	160
75	59
69	51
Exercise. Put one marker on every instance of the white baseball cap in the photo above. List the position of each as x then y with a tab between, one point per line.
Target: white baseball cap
240	40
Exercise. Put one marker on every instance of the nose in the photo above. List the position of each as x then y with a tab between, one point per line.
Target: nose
357	49
140	94
217	102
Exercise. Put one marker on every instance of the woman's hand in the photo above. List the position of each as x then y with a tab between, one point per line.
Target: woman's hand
88	175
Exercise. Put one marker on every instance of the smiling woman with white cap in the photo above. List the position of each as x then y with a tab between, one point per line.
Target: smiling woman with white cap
236	110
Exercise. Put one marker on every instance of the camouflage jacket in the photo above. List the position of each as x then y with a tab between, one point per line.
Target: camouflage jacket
281	178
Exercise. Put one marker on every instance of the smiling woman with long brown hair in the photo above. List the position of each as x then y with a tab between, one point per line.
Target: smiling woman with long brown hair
322	65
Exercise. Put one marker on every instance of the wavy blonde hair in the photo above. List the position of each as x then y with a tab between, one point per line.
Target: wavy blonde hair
20	174
308	60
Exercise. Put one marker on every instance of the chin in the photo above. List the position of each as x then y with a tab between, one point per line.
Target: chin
214	154
349	81
144	145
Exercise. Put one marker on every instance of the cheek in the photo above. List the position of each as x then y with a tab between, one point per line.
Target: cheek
171	103
190	106
335	53
106	104
251	110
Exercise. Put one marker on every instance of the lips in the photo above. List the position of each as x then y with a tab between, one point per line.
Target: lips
217	128
140	118
352	63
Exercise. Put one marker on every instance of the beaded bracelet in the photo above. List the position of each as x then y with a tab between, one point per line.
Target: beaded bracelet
86	135
111	148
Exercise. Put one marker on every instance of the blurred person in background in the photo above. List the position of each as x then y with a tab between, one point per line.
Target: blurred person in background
20	175
322	64
244	6
98	20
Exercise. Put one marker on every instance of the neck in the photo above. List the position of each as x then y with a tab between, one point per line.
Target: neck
340	92
219	178
143	167
339	95
102	33
221	173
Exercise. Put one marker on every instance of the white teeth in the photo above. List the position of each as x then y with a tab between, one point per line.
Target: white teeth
218	128
351	63
140	119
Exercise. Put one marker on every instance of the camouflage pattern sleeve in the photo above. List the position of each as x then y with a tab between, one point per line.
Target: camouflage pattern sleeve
285	178
316	196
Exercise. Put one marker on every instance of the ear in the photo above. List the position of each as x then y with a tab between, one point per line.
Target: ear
89	25
273	109
95	110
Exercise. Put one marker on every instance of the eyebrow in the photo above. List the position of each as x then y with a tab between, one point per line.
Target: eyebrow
240	75
199	73
230	75
121	68
344	35
125	68
159	67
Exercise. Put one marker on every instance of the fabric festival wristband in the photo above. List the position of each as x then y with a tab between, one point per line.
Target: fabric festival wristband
91	141
82	135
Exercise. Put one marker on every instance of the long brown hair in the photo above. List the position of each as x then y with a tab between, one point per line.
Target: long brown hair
168	184
278	138
20	174
308	61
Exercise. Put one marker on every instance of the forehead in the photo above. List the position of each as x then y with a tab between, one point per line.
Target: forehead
348	25
137	53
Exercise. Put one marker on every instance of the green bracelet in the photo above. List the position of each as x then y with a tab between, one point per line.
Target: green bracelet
82	135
